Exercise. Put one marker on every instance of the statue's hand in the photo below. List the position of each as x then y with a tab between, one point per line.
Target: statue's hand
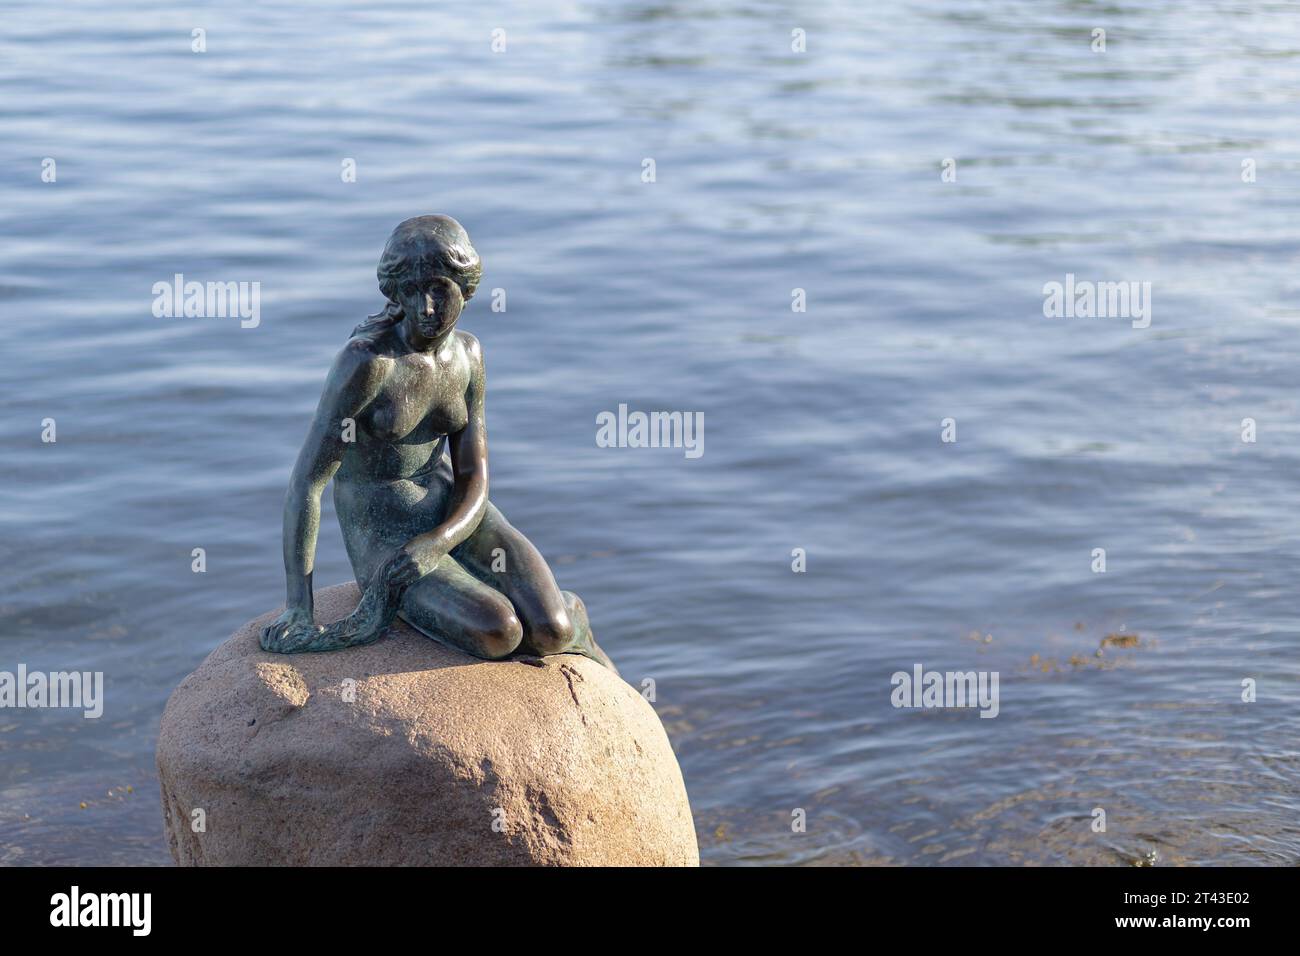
376	609
395	575
295	632
289	631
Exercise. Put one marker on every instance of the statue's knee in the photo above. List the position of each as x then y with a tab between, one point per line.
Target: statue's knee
552	635
500	635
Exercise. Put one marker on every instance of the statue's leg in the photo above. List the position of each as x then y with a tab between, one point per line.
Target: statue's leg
554	621
453	606
448	604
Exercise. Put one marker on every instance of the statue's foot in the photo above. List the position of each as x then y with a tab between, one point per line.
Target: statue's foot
594	652
598	654
589	648
584	642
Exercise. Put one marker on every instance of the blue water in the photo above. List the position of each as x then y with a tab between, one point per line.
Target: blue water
775	171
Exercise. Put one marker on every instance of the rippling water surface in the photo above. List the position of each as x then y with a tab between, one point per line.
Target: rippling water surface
775	171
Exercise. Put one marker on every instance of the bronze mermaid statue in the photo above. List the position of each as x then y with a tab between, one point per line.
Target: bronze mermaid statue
400	429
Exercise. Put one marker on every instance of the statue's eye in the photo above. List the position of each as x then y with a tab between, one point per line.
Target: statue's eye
409	288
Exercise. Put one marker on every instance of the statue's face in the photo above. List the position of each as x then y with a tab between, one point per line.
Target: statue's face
425	303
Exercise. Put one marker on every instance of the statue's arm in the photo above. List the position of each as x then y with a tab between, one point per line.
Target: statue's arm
352	383
469	466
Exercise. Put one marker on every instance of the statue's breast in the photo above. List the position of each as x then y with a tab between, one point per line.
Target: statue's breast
397	421
420	402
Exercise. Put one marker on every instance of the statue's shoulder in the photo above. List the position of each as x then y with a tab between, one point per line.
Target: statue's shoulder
361	347
362	362
471	344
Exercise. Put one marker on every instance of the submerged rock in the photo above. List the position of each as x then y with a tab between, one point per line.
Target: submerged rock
408	752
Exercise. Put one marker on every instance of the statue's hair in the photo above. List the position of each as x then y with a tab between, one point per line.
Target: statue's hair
428	248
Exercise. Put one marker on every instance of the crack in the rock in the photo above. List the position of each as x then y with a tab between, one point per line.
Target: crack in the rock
569	675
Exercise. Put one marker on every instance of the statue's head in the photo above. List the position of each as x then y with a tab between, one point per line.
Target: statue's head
428	271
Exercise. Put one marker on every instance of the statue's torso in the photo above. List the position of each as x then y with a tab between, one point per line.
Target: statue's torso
404	428
395	480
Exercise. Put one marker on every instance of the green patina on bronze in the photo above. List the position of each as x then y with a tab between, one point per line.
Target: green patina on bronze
400	429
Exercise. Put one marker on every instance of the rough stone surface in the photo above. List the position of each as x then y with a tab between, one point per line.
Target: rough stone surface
413	770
